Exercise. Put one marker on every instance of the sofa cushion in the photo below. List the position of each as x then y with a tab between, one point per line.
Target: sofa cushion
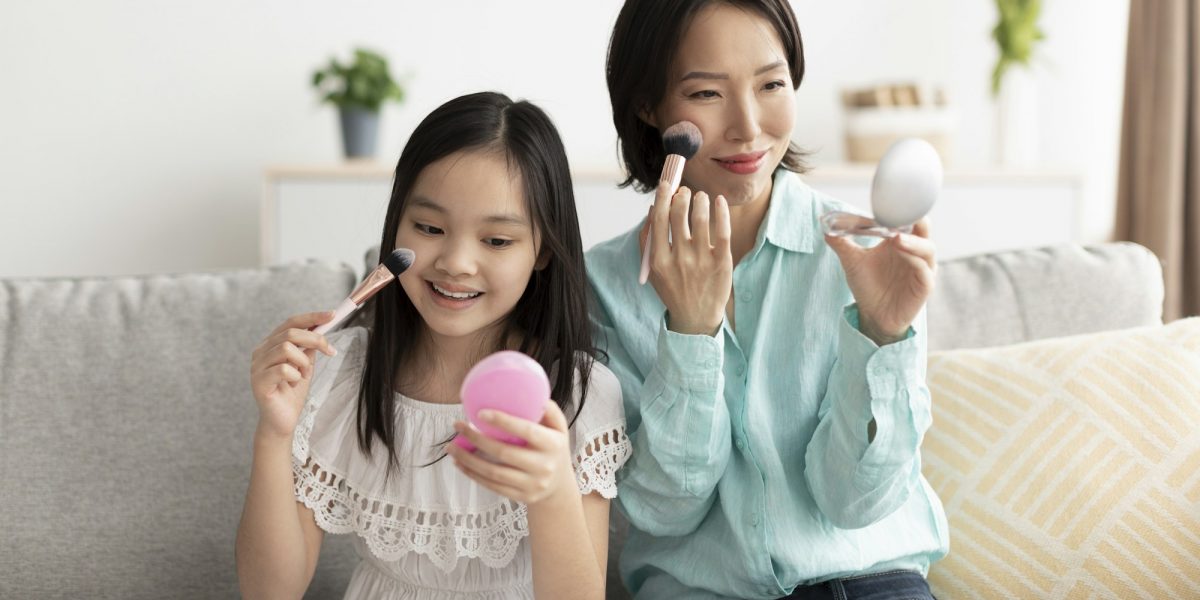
1070	467
1026	295
126	426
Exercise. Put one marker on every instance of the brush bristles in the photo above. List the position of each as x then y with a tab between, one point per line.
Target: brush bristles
682	138
399	261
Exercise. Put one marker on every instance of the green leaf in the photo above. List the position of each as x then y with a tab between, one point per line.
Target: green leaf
364	82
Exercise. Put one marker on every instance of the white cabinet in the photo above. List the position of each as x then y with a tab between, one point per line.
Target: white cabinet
336	212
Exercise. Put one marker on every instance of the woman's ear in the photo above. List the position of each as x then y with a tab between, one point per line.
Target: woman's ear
647	116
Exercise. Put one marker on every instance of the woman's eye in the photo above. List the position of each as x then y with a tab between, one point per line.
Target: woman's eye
775	85
428	229
703	94
498	243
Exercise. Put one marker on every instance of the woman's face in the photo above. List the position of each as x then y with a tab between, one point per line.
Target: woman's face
730	77
476	247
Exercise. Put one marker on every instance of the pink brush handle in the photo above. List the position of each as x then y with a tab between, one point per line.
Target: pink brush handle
345	309
644	272
672	174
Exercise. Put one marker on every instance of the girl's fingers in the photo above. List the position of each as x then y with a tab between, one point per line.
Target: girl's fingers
306	339
504	490
534	434
554	417
280	373
504	452
303	321
499	473
699	219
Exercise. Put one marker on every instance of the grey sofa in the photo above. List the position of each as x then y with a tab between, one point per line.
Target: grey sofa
126	419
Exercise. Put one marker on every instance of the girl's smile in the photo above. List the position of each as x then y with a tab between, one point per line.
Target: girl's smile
468	223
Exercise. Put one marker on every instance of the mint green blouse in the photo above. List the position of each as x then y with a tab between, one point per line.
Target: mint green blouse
752	471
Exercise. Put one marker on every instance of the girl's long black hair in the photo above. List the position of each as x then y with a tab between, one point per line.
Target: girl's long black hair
550	318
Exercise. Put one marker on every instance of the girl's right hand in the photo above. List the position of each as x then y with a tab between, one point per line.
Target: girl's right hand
281	369
693	272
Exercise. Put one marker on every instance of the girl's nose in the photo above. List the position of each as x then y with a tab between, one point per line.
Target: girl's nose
456	258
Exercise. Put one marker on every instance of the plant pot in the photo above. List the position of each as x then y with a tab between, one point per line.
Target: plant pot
360	129
1017	133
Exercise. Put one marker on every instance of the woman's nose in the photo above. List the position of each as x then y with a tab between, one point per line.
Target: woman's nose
743	123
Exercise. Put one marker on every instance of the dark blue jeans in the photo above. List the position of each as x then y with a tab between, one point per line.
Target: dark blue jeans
892	585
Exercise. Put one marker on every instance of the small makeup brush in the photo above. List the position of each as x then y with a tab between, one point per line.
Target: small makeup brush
681	141
391	268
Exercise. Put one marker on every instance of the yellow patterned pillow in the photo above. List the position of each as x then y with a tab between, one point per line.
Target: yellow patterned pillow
1070	467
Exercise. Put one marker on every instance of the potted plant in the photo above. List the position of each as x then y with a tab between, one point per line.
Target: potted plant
1015	34
1013	86
359	91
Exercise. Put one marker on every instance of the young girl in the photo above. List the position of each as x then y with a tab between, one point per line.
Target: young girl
774	378
352	440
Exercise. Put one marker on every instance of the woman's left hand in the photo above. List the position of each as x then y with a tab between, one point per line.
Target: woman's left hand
890	282
528	474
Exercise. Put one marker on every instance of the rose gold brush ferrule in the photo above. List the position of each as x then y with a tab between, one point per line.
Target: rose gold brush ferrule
374	282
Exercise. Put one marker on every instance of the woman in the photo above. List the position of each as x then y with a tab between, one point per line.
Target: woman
774	381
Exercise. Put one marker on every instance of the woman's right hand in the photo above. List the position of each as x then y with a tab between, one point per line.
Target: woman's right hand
281	369
693	271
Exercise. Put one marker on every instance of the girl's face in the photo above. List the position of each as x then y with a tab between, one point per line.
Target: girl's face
730	77
476	248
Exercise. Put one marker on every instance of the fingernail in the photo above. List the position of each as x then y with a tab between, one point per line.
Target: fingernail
487	414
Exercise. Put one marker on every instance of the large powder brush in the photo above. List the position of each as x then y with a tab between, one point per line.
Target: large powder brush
681	141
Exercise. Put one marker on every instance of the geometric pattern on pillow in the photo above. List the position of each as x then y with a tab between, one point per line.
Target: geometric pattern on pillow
1069	467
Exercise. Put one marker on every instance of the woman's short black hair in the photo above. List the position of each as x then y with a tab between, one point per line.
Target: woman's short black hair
643	44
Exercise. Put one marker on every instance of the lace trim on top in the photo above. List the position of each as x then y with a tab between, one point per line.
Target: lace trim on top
391	531
597	462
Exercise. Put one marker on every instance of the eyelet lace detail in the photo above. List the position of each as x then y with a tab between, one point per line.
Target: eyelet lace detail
597	462
391	531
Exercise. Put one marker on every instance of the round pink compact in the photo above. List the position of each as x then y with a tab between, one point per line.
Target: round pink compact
509	382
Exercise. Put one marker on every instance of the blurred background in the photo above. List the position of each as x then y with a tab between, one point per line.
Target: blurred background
156	137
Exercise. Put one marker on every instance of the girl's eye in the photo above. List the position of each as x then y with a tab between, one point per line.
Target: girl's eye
498	242
703	94
427	229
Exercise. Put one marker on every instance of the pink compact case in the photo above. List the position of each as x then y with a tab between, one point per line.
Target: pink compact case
509	382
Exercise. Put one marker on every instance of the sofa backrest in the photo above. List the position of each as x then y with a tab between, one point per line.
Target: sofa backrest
126	425
1026	295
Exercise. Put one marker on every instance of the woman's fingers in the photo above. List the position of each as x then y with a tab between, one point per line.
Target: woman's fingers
919	247
681	204
699	220
660	215
722	227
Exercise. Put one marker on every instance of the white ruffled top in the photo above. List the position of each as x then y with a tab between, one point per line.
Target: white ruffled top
429	532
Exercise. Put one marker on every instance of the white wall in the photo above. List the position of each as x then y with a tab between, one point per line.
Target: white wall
135	131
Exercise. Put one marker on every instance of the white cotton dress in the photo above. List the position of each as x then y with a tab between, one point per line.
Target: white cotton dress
429	532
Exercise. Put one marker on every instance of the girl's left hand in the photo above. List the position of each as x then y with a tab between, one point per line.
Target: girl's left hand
890	282
528	474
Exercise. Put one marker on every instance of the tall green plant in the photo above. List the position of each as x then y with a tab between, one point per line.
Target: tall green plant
365	83
1015	34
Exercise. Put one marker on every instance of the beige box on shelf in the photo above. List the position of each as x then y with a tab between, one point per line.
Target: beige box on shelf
876	117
